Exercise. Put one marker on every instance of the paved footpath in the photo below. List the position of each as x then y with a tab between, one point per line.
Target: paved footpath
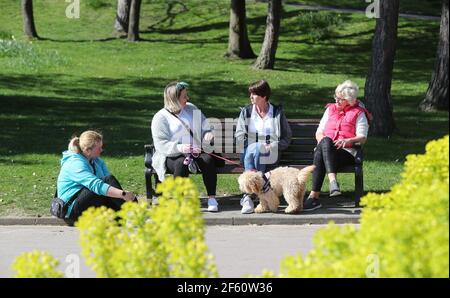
352	10
238	250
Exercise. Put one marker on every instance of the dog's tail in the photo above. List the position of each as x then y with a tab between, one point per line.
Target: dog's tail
304	173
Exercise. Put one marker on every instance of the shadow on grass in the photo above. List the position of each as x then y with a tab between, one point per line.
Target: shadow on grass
81	40
14	162
413	63
43	124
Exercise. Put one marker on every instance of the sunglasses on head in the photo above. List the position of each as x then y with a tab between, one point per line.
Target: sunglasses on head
181	85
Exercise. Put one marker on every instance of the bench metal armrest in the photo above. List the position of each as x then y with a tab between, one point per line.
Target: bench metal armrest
359	154
149	150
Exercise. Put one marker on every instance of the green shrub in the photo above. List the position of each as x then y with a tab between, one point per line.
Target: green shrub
318	25
24	54
164	241
5	35
14	48
403	233
36	265
96	4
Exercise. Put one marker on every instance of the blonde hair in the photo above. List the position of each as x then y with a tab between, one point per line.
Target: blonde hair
348	90
87	140
172	97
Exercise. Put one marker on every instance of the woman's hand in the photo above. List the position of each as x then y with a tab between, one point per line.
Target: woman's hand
185	148
196	150
129	196
264	148
342	143
208	137
188	148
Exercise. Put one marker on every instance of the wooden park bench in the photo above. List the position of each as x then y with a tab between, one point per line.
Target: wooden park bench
299	154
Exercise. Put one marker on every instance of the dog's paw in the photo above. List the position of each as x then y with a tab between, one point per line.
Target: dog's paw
291	210
259	209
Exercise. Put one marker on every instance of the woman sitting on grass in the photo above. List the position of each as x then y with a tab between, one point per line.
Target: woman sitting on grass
343	124
85	180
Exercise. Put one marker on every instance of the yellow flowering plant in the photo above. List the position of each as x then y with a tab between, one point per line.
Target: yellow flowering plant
402	233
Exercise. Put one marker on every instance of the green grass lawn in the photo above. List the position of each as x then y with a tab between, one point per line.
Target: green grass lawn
81	76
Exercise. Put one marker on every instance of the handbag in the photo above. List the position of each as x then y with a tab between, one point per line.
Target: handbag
58	207
193	167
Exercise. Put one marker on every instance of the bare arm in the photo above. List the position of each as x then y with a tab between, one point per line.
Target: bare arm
362	128
114	192
345	142
319	136
321	128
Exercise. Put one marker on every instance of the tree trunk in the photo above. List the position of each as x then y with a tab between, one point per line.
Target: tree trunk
437	94
379	78
28	19
266	58
133	28
122	16
238	42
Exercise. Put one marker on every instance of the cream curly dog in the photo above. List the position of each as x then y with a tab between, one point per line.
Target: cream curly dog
286	181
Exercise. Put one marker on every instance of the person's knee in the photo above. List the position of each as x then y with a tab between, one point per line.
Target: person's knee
111	180
208	159
326	141
108	178
181	170
318	156
208	165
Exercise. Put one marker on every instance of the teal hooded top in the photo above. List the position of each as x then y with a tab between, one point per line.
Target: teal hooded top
76	173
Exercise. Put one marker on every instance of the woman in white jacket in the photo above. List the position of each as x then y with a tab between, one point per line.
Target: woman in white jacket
178	131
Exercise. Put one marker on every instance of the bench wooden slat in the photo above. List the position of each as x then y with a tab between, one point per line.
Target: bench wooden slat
303	141
304	131
300	148
291	148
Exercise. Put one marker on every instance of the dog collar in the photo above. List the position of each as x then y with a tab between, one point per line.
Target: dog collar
266	186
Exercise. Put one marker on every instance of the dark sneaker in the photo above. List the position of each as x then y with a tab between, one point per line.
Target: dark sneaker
311	204
334	189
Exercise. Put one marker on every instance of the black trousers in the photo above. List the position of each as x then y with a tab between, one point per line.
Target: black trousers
328	159
207	167
86	198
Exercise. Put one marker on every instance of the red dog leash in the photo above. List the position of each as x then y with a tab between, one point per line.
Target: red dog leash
225	159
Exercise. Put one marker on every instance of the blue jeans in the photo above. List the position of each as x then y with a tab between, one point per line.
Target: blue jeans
251	158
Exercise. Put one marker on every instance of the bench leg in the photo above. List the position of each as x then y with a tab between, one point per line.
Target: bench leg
359	184
148	183
156	182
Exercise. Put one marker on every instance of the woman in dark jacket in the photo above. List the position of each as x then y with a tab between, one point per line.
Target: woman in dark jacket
263	132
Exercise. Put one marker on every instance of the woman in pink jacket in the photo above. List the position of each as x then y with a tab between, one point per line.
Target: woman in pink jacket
343	124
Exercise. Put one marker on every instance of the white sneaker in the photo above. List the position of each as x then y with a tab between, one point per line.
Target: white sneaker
247	205
213	206
155	201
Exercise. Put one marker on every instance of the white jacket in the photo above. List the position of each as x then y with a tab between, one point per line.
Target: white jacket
165	144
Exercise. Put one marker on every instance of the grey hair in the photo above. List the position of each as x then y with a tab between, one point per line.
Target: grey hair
348	90
172	97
